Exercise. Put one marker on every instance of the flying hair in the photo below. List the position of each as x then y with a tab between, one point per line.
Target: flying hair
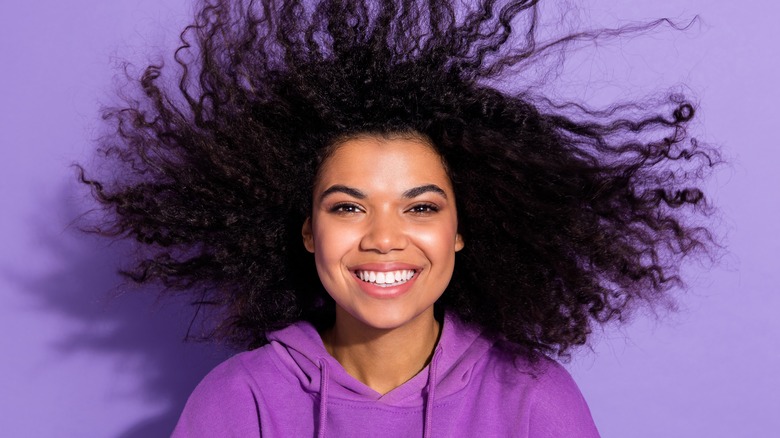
572	217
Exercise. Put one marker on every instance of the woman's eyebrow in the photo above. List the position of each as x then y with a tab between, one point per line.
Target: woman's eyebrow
417	191
409	194
338	188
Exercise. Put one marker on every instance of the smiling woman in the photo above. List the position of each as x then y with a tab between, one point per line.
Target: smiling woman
383	232
398	243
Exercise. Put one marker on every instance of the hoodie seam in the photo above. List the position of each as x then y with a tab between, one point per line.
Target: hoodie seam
281	367
250	372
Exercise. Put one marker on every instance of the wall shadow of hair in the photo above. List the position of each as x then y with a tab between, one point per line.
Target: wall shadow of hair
117	320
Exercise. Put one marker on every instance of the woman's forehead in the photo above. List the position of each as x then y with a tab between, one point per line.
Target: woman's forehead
395	164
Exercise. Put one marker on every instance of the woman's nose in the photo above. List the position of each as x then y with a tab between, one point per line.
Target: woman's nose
384	233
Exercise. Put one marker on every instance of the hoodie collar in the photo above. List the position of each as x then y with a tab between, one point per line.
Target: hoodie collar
460	346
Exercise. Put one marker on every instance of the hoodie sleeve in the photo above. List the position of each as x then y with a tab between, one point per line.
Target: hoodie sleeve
223	405
558	409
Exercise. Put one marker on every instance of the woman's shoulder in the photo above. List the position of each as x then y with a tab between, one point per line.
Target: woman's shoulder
533	365
550	397
504	380
508	367
470	343
227	397
244	368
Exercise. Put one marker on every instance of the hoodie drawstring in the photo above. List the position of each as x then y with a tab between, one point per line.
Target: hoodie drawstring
430	397
431	390
323	423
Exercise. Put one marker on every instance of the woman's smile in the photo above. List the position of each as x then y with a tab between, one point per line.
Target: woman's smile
386	281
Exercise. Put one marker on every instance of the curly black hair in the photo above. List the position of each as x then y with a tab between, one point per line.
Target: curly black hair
572	216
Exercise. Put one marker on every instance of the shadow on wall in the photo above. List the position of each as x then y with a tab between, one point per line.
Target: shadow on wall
120	321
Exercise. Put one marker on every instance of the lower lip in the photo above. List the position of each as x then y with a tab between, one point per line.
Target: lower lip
386	292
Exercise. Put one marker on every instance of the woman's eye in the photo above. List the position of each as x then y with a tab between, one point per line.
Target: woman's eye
345	208
424	209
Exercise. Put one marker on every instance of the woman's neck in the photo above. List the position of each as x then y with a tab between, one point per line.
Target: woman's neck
382	359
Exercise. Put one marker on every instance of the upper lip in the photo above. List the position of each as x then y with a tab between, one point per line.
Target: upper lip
385	267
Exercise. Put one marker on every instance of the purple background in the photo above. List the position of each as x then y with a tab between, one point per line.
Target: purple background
78	361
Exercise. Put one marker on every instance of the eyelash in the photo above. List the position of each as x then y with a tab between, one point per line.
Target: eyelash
341	208
429	208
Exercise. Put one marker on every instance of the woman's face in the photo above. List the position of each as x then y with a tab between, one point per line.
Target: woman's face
383	229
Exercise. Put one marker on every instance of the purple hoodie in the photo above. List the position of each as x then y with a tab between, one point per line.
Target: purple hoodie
292	387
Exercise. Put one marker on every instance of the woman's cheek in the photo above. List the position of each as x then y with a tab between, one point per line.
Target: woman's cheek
438	236
336	238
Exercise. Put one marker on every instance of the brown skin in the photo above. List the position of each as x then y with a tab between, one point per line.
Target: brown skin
383	205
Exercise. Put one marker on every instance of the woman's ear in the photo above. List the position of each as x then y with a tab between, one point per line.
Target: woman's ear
458	242
308	236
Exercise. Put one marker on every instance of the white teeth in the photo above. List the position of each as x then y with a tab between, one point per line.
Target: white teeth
386	278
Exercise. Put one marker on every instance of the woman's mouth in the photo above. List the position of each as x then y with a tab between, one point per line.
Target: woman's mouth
386	278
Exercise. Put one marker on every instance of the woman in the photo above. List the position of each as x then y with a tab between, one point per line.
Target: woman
397	240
